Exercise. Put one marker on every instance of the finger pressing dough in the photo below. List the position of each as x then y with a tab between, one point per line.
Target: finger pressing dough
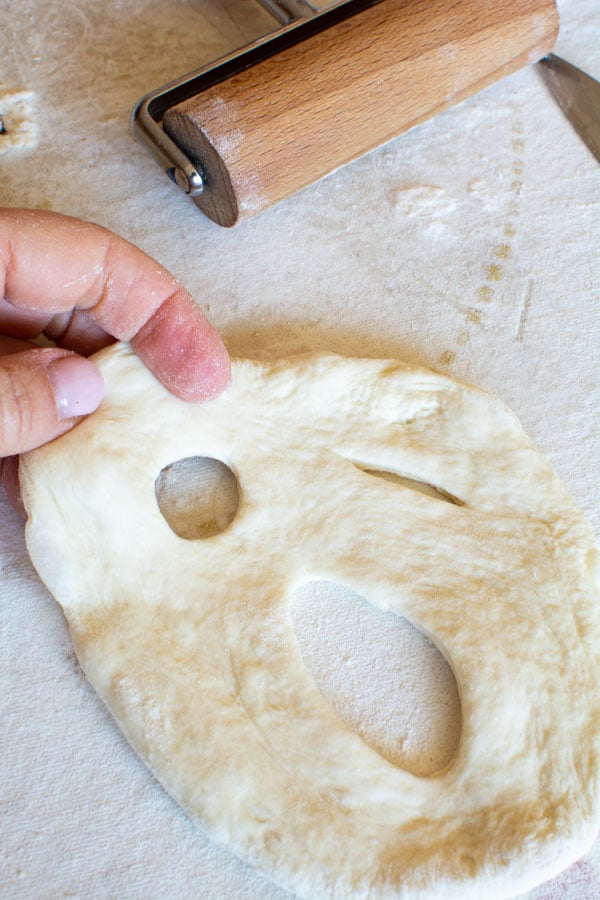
191	643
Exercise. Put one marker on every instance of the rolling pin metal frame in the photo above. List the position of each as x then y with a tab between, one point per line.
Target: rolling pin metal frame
300	21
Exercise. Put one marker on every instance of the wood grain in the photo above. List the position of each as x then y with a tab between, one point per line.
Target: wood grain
270	130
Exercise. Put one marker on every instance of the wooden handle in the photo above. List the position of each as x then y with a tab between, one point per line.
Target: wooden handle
270	130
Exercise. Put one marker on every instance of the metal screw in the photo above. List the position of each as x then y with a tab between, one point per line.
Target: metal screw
192	182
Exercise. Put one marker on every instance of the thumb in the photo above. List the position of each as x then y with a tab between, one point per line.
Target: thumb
43	392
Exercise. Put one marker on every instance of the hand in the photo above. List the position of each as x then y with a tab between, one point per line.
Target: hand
83	287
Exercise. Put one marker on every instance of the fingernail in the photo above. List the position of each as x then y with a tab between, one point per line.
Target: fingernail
77	384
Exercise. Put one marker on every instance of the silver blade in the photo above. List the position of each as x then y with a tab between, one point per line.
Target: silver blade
578	95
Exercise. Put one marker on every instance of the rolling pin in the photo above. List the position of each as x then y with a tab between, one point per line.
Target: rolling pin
380	68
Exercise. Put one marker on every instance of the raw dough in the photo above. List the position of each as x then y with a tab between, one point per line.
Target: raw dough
191	645
17	127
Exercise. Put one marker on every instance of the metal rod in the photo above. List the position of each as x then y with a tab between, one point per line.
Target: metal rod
286	11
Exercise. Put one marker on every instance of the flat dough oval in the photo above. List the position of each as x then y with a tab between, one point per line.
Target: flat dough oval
191	644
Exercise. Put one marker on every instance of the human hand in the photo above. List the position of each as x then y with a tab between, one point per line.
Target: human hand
83	287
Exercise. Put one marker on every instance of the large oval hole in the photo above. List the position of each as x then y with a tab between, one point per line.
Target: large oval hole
382	676
198	496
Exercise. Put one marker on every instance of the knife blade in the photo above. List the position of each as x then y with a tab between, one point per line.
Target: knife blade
578	95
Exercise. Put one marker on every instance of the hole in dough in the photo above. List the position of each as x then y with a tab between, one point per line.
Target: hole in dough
381	675
422	487
198	496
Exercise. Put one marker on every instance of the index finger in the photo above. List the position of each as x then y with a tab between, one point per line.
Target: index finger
51	264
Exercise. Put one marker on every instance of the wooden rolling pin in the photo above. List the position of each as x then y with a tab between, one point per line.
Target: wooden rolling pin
284	123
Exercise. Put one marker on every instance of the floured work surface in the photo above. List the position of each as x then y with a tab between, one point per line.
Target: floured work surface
192	646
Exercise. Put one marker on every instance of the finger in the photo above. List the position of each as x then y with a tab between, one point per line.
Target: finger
9	474
21	323
43	393
77	331
12	345
52	263
178	345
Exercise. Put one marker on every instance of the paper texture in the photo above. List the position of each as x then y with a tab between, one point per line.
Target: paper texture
468	245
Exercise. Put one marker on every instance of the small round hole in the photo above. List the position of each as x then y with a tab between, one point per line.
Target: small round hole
198	496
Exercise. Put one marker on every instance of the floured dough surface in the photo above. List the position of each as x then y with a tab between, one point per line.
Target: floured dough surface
192	646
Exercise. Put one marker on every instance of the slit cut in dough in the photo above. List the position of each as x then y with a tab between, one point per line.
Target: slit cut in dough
191	645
